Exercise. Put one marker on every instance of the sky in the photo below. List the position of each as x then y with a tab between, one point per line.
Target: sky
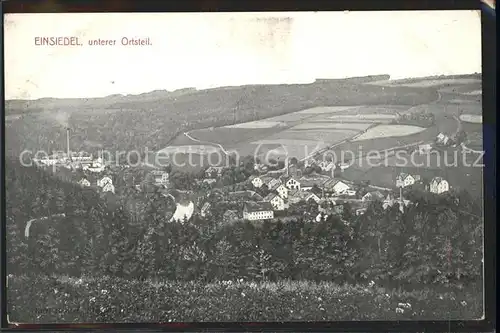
204	50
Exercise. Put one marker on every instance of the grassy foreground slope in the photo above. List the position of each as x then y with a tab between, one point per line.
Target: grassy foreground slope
116	300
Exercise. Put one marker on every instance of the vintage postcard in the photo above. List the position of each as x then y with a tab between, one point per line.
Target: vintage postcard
244	167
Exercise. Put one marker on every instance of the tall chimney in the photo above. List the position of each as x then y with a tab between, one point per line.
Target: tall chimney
67	142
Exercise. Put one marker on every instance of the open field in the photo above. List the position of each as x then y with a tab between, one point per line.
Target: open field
190	149
257	124
384	131
326	109
299	132
367	117
474	92
331	126
472	118
44	299
426	82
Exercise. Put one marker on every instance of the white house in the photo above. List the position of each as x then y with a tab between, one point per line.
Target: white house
340	187
291	183
257	182
327	166
344	166
212	172
371	196
108	187
424	149
273	183
442	139
404	180
161	178
104	180
438	185
308	182
350	193
282	191
276	201
255	211
296	196
84	182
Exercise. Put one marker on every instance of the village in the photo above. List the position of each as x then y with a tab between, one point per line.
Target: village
312	189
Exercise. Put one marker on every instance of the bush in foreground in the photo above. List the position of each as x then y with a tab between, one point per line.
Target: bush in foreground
57	300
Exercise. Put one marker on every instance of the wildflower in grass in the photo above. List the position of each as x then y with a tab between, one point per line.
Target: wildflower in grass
371	284
464	303
404	305
104	292
399	310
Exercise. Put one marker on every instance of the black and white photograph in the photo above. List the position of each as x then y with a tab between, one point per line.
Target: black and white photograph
244	167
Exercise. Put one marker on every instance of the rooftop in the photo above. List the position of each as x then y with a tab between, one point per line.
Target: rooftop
251	207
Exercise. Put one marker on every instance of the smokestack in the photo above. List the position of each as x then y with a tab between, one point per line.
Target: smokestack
67	142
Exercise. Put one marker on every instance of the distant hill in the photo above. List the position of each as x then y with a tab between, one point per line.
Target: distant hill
151	120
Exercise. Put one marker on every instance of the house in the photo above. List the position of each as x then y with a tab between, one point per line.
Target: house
108	187
327	166
276	201
309	163
442	139
294	171
295	196
343	166
360	211
350	193
273	184
438	185
161	178
336	186
205	209
256	181
424	149
104	180
260	167
213	172
244	196
321	217
373	196
254	211
308	182
84	182
282	191
209	181
230	216
291	183
404	180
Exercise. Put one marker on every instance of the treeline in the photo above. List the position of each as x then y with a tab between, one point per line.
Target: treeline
437	240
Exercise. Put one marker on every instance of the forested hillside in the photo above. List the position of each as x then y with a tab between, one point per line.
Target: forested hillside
437	240
125	123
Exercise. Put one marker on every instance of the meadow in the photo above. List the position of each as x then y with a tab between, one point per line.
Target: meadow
106	299
383	131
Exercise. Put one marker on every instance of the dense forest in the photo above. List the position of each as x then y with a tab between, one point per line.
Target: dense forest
436	240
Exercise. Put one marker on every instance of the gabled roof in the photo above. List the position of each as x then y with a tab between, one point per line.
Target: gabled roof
258	207
228	213
332	182
437	180
270	197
